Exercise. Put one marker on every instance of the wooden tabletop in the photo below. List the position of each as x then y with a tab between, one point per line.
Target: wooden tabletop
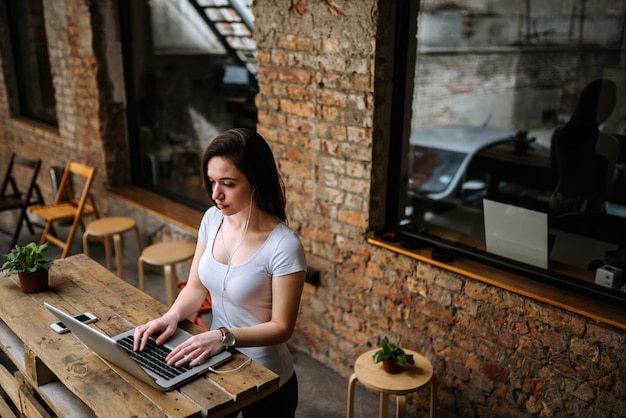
74	381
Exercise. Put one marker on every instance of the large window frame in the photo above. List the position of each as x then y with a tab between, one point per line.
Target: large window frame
183	88
405	58
28	67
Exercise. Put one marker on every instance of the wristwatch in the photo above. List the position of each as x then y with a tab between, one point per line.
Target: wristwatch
228	338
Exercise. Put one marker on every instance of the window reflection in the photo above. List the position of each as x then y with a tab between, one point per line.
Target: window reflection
522	104
191	73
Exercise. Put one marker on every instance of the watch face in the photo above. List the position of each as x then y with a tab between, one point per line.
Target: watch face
229	340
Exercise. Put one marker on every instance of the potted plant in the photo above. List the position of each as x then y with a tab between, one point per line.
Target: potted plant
521	142
30	265
392	356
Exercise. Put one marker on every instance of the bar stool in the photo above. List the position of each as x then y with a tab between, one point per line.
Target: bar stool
372	376
112	226
166	254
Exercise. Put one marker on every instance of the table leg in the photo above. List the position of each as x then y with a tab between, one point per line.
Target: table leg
351	385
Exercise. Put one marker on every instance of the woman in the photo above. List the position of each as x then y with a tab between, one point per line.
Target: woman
584	159
252	264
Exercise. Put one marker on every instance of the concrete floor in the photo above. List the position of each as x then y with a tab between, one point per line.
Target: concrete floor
322	392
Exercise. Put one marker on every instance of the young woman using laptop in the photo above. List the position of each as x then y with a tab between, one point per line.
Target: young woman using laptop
252	264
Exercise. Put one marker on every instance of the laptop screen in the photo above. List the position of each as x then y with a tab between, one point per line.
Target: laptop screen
517	233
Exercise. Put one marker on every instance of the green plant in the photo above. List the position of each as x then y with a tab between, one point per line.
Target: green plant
391	351
27	259
522	136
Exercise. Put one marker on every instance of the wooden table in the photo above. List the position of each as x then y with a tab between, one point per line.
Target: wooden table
48	374
372	376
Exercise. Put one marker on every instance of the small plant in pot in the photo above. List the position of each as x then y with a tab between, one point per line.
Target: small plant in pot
30	264
392	356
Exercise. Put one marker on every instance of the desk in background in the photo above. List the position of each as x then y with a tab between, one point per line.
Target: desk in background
533	169
49	374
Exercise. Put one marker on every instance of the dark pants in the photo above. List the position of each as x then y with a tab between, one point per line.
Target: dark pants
280	404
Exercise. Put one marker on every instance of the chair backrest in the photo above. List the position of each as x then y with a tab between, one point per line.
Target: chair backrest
66	192
9	181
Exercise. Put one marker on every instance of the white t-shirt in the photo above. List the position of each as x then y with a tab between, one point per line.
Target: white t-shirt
247	298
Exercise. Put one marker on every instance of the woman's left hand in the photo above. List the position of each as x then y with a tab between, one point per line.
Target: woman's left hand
196	349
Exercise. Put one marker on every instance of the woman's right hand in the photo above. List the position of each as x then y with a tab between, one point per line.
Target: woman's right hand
165	326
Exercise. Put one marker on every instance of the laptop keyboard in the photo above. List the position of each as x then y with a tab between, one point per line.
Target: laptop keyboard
153	358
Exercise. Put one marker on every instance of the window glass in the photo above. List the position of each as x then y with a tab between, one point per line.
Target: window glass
31	64
189	76
517	144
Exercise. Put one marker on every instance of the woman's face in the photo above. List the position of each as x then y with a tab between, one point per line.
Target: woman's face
230	188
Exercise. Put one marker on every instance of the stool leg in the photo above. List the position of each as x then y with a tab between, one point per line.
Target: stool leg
117	243
433	396
400	406
107	251
86	243
138	238
351	385
170	283
140	271
383	406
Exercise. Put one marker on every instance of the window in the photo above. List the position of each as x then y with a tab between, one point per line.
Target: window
190	73
514	152
34	97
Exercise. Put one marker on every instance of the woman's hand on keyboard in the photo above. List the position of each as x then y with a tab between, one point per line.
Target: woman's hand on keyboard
196	349
160	328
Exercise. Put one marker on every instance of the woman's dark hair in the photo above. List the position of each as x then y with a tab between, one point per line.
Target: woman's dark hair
252	155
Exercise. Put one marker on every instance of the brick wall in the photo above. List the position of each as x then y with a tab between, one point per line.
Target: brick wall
495	353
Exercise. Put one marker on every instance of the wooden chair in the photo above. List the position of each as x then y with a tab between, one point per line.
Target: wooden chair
12	198
68	205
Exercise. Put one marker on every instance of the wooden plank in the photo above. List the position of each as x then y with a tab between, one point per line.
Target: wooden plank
9	385
63	402
29	406
37	372
6	410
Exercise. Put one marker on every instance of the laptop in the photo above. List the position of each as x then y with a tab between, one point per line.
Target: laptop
148	365
516	232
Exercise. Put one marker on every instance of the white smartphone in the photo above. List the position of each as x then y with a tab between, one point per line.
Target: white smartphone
85	318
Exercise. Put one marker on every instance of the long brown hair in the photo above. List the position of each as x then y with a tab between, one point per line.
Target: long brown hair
252	155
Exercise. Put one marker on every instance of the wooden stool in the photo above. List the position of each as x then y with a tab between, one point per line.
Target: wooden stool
166	254
372	375
112	226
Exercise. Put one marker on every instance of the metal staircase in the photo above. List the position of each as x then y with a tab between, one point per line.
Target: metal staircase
233	23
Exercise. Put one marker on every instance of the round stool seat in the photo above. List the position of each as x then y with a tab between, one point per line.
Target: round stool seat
170	252
372	376
111	226
166	254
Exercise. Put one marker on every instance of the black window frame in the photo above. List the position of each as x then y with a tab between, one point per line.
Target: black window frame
21	102
400	130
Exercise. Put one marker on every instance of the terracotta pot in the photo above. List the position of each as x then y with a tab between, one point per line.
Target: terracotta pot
34	282
390	366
